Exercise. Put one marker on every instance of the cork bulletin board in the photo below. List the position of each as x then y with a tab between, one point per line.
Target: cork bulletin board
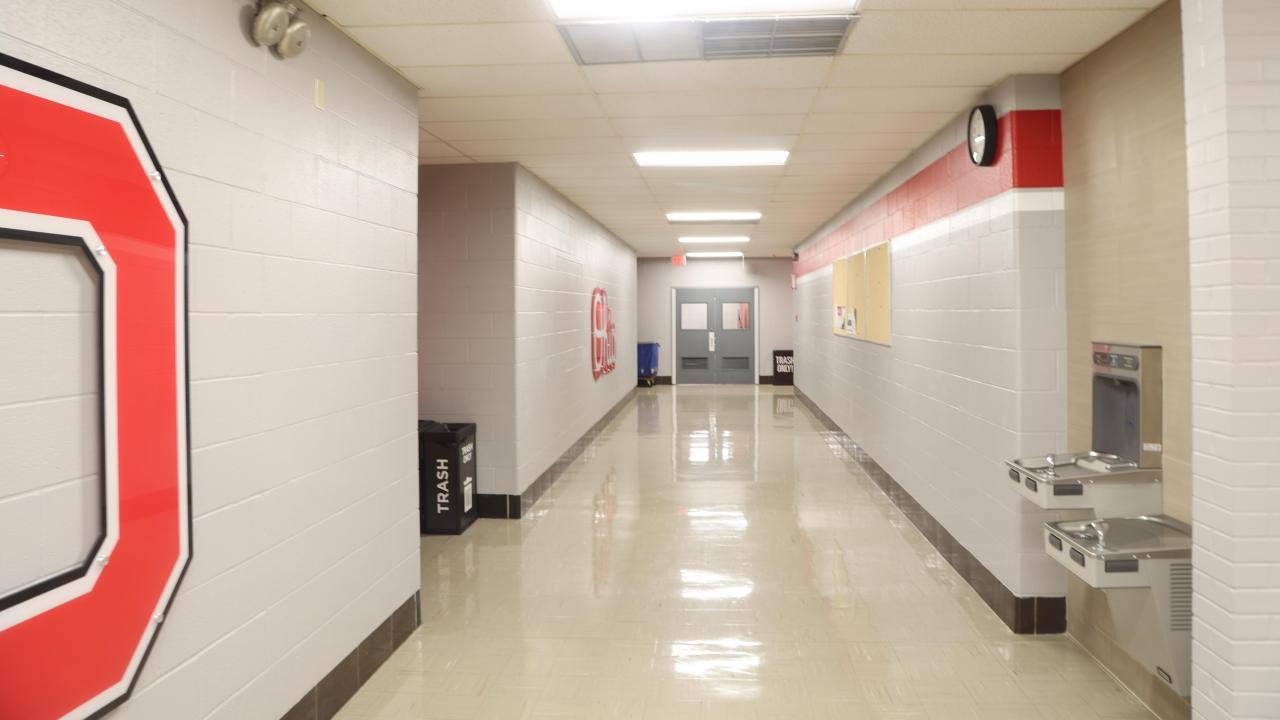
860	295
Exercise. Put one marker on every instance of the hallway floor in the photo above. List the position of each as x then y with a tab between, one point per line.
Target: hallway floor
712	557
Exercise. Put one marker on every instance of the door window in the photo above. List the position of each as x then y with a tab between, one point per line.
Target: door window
693	316
735	316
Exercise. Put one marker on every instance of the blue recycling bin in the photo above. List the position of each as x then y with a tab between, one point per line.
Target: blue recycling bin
647	362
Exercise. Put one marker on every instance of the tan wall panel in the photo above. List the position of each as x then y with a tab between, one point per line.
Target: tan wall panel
839	291
1128	266
878	293
857	293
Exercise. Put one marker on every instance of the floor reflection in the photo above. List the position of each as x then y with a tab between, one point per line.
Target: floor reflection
714	557
724	657
715	434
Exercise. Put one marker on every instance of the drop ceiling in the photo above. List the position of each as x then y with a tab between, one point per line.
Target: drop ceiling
498	83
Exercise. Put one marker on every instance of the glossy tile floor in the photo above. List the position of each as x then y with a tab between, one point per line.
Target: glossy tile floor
713	557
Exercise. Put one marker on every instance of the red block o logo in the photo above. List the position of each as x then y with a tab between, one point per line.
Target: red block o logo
604	343
77	170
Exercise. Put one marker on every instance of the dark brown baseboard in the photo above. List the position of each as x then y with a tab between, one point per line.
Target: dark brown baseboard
1023	615
513	507
657	380
333	691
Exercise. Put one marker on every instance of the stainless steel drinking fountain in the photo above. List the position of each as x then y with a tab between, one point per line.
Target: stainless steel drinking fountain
1121	475
1124	556
1141	558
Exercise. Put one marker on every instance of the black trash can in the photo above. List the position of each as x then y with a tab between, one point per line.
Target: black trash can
446	476
784	365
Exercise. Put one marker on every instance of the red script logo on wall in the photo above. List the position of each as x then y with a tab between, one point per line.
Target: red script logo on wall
79	172
604	345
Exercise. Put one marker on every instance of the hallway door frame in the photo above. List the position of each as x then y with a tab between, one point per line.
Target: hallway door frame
675	327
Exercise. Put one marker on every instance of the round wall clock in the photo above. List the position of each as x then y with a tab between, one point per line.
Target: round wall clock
982	135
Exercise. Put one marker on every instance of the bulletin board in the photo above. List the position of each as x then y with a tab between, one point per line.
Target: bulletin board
860	295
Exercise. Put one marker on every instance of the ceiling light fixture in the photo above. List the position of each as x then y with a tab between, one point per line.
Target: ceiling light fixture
712	240
711	217
650	9
720	254
712	158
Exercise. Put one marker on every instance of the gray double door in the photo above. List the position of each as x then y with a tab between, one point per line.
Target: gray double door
715	336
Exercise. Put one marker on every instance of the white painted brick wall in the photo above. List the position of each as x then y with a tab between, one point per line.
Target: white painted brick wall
50	401
964	385
302	299
976	374
467	309
562	254
507	267
1232	75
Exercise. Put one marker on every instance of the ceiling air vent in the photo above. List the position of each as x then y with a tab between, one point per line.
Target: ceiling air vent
599	43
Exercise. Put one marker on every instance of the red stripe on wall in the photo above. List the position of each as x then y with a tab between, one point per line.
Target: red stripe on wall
1029	156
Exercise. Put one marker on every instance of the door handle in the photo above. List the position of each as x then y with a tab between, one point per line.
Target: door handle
711	342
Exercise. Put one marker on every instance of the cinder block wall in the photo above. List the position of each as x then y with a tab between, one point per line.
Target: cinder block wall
562	254
975	374
466	313
507	267
1231	59
303	367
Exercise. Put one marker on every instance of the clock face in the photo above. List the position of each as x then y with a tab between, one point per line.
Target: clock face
982	135
977	136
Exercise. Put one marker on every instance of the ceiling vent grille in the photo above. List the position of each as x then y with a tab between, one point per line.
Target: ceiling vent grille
600	43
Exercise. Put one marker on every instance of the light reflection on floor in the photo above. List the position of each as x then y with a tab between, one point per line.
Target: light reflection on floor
712	557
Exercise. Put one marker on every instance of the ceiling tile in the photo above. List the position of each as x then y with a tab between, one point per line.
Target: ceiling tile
909	99
853	170
487	148
835	157
437	150
920	32
715	174
488	80
875	6
576	172
709	75
604	42
631	185
709	102
711	126
709	142
521	129
493	44
523	107
820	185
862	140
878	122
498	84
903	71
576	160
427	12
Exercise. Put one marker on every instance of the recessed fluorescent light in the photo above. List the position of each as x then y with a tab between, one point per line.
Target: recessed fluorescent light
706	217
710	240
649	9
712	158
720	254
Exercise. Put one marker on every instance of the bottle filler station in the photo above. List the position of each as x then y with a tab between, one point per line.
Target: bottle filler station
1140	557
